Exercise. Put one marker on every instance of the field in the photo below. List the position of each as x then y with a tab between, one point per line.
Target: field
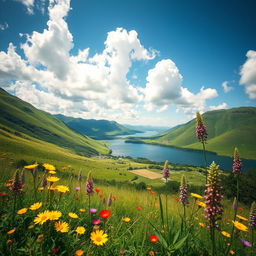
147	174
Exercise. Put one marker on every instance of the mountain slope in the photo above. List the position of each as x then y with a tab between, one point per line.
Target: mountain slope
95	128
227	129
23	119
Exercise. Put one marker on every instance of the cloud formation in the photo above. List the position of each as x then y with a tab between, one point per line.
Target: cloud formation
92	86
226	86
248	74
4	26
29	4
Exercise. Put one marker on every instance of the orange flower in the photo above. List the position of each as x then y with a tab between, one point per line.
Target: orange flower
79	252
153	239
11	231
139	208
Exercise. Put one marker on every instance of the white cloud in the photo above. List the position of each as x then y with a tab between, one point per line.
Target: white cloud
221	106
248	74
29	5
4	26
225	86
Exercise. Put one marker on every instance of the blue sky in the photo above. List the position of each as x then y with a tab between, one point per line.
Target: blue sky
147	62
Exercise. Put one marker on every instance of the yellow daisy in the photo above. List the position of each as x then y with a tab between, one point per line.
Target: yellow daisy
196	195
11	231
126	219
31	167
200	204
42	217
240	226
98	237
52	172
226	234
241	217
49	167
73	215
35	206
61	226
80	230
54	215
79	252
22	211
62	189
52	179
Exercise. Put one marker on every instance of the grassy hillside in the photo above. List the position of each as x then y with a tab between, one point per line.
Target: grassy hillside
227	129
100	129
23	120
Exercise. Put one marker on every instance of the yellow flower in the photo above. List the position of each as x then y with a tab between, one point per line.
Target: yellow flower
52	188
196	195
231	252
200	204
82	210
79	252
241	217
49	167
98	237
40	189
148	188
54	215
80	230
126	219
201	224
52	179
42	217
52	172
226	234
73	215
61	226
62	189
30	226
240	226
22	211
11	231
31	167
35	206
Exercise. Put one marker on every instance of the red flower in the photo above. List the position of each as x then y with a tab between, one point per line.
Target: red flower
105	214
139	208
153	192
153	239
177	199
97	190
100	196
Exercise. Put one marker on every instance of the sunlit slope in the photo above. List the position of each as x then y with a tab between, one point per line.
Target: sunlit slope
23	118
227	129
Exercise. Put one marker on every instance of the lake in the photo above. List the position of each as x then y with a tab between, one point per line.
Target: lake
173	155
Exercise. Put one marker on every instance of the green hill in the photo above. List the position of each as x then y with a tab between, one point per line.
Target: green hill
227	129
24	121
100	129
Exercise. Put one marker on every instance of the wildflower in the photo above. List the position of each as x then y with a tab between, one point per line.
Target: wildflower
31	226
77	188
62	189
122	251
52	172
11	231
241	217
226	234
200	204
73	215
35	206
105	214
96	221
97	190
40	189
231	252
9	241
166	172
99	237
54	215
100	196
40	238
246	243
201	224
153	239
61	226
31	167
148	188
80	230
126	219
183	191
93	210
213	197
41	218
52	188
16	186
139	208
52	179
79	252
177	199
252	216
22	211
82	210
237	163
196	196
201	132
151	253
55	251
89	184
49	167
109	202
240	226
3	194
153	192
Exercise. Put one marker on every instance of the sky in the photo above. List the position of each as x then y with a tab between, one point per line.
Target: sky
147	62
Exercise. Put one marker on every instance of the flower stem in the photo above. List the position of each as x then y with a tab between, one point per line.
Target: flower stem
205	161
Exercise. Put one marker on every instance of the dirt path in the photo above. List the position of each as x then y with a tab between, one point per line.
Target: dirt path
147	174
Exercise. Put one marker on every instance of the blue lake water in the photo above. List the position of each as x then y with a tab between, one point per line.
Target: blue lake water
173	155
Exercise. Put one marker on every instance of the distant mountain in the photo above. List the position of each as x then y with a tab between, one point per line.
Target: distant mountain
227	129
144	128
21	120
98	129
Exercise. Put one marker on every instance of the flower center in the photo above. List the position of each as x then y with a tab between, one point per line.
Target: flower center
98	239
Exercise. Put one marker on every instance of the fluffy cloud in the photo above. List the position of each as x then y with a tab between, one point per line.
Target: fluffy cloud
226	86
248	74
221	106
29	5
